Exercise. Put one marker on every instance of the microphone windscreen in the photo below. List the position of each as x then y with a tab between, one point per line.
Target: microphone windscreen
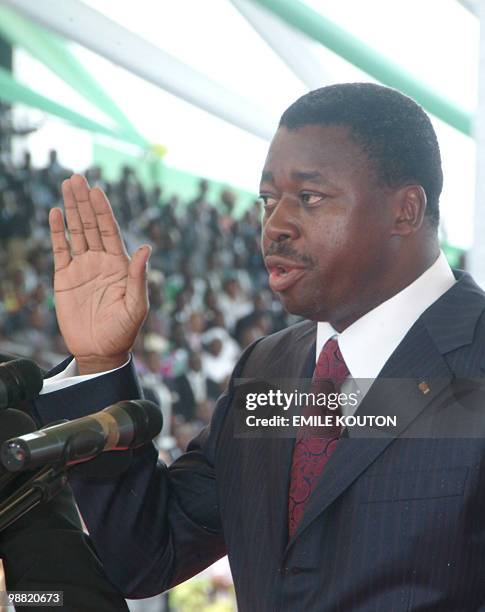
14	423
147	417
26	379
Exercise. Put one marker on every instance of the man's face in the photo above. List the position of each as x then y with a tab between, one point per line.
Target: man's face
326	232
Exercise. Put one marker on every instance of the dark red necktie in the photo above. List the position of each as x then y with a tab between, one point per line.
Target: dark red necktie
314	446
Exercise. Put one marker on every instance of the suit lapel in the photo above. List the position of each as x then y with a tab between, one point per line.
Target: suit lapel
298	363
395	393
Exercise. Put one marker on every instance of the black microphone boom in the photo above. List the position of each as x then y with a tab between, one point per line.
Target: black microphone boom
123	425
20	380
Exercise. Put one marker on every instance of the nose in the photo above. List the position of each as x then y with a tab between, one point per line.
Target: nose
281	224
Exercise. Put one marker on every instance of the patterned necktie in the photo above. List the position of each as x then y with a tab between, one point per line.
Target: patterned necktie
313	446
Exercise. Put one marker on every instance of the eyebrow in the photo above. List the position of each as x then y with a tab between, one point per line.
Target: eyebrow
308	176
296	175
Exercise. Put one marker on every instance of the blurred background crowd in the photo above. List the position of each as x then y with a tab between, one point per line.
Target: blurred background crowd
208	300
207	286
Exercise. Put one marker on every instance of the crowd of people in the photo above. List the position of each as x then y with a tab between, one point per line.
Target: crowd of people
207	286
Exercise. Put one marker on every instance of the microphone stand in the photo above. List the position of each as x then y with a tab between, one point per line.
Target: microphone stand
41	487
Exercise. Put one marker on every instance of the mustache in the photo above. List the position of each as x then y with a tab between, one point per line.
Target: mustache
283	249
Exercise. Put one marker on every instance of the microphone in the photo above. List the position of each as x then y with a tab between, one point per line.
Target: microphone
13	423
20	380
122	426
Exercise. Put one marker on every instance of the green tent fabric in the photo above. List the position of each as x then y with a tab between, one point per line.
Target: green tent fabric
12	91
54	52
318	27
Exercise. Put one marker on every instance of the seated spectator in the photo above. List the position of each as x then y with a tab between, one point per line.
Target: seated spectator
219	356
191	389
233	303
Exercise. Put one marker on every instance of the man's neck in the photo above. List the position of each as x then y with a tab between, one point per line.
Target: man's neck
401	277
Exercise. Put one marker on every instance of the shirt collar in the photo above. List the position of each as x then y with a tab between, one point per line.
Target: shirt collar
368	343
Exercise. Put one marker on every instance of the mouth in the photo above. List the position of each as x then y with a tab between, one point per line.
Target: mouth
283	273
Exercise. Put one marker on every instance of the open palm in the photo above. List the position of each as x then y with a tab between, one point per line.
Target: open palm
100	293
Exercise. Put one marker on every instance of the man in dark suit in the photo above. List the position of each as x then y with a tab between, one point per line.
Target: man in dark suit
370	518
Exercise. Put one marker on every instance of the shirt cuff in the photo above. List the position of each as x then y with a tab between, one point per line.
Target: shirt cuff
69	376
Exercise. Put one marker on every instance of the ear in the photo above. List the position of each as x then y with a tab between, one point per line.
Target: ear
409	205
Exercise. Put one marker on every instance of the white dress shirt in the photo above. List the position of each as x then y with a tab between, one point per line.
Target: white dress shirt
70	376
368	343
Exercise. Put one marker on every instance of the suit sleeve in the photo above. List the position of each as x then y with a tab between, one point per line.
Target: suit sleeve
152	526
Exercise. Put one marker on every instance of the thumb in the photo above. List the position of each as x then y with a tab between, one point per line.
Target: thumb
136	284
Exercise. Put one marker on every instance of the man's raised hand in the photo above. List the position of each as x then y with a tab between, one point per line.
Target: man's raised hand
100	293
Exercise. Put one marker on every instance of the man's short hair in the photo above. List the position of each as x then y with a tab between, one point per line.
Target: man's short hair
394	132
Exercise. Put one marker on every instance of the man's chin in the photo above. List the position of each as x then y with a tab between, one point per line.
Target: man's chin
300	307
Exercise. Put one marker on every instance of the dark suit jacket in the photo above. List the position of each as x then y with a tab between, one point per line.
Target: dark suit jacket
46	550
396	523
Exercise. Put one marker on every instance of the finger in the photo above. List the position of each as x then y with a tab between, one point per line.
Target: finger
80	189
74	223
60	245
136	284
107	224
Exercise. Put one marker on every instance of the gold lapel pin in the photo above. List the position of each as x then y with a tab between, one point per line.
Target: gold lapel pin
423	387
